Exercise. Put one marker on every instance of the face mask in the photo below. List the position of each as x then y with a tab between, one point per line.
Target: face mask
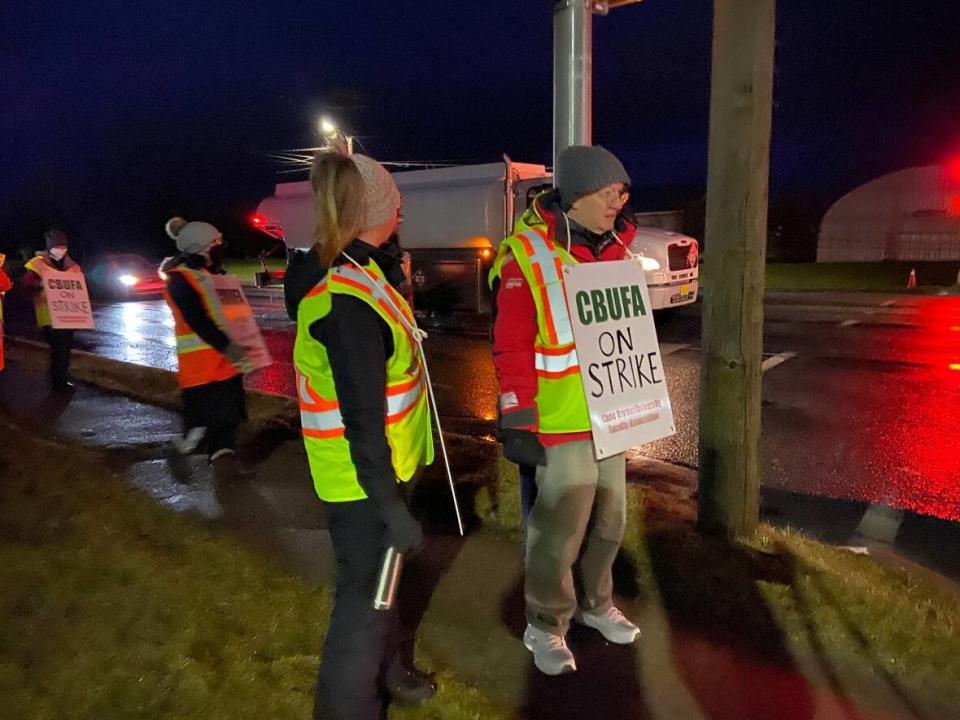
395	275
392	246
393	270
58	253
215	254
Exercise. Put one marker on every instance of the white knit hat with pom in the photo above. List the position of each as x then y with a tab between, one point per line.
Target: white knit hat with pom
192	237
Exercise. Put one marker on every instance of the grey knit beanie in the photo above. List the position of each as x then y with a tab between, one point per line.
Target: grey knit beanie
382	197
583	169
191	237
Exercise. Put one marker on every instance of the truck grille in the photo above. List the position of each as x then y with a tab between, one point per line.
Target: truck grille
679	256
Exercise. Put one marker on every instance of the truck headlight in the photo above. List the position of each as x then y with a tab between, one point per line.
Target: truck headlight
128	280
649	264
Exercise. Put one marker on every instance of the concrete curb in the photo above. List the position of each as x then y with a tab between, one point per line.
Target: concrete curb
150	385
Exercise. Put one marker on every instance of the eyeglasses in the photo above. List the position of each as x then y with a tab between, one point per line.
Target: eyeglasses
611	196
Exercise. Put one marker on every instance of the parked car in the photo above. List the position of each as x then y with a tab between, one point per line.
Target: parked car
124	275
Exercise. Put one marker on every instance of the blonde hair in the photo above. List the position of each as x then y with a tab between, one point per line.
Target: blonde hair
338	195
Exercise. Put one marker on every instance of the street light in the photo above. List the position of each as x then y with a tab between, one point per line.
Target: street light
328	128
334	135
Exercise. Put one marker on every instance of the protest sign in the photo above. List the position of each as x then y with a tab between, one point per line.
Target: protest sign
241	325
68	300
618	354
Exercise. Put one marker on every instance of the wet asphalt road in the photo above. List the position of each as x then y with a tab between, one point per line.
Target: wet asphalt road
861	397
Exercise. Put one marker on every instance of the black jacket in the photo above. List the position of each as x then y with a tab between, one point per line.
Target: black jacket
358	344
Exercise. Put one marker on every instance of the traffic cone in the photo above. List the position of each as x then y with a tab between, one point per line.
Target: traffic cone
912	279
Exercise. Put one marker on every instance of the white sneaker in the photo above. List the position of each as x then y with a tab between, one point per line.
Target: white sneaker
611	624
550	652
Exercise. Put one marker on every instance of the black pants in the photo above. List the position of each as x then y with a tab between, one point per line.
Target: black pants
61	342
361	640
220	438
219	407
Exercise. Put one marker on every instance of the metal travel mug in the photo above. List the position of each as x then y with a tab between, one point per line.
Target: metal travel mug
388	579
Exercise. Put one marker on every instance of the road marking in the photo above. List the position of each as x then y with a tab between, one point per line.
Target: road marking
888	303
778	359
670	348
849	323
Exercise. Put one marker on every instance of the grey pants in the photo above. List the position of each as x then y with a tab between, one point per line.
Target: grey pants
580	512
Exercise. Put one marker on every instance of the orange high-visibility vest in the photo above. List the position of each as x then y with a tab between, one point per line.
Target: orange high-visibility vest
198	363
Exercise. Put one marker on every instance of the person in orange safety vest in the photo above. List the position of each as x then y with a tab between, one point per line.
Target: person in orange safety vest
210	365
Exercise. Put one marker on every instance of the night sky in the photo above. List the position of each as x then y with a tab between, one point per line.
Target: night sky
118	114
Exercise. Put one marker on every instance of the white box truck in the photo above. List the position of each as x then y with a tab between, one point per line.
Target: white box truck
455	217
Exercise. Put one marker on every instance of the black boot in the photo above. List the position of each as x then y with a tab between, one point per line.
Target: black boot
409	687
226	467
179	464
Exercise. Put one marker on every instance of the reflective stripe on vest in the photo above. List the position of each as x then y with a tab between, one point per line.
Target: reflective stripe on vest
321	418
190	342
356	278
548	271
560	357
560	399
556	362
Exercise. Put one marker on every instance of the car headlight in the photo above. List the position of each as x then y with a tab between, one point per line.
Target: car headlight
650	264
128	280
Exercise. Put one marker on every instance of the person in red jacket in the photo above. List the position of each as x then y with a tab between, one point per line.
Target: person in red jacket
579	514
5	285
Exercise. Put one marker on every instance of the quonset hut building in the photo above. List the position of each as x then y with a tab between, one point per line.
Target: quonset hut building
911	214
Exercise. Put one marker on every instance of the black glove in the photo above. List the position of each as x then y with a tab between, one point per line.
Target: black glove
522	447
403	531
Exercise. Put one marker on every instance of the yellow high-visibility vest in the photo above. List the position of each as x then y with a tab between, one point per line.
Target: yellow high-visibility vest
560	399
406	410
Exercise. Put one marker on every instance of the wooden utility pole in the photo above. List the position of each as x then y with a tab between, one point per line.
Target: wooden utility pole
735	245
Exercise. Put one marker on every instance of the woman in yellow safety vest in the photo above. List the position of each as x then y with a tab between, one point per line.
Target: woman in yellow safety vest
55	257
210	366
366	422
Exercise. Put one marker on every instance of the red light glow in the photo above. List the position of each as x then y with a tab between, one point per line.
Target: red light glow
952	169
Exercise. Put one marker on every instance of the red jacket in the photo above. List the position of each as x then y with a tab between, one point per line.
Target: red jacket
515	327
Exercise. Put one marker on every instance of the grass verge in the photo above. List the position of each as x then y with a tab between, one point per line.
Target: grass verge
883	638
869	276
117	608
245	269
